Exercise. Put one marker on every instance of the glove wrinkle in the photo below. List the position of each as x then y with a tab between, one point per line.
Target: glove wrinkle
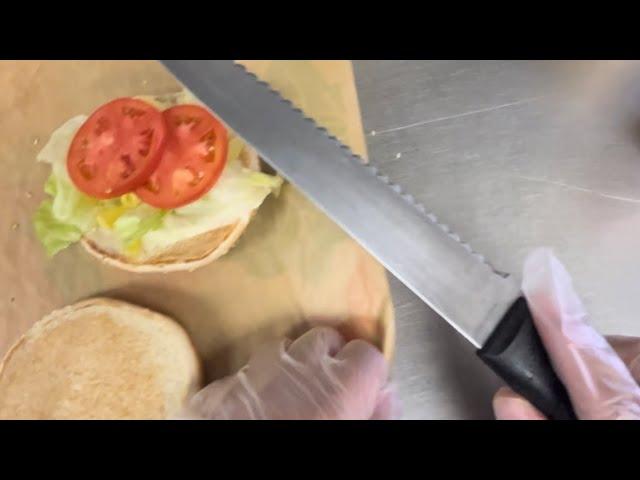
317	376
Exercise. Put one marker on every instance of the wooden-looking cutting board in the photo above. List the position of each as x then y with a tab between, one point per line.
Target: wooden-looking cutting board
292	268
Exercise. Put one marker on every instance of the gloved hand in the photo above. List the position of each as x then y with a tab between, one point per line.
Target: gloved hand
601	375
317	376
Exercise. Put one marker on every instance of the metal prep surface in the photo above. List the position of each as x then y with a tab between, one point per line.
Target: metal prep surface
512	155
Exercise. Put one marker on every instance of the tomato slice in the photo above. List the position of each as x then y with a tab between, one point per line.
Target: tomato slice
117	148
192	160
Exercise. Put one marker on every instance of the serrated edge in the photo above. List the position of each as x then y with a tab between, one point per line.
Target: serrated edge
428	216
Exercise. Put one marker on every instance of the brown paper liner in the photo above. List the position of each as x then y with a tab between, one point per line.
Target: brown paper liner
292	267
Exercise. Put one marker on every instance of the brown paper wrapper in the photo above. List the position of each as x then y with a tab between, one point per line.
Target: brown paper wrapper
292	268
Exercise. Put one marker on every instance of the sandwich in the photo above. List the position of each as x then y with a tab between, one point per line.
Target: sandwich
149	184
99	359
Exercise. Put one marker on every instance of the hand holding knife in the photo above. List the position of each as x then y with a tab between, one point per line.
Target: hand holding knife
484	305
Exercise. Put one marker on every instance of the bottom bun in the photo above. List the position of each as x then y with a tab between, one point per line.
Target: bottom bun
99	359
187	254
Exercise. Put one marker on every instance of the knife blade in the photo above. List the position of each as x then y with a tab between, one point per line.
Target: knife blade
481	303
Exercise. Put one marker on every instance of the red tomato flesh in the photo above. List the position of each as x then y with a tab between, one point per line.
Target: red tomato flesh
192	160
117	148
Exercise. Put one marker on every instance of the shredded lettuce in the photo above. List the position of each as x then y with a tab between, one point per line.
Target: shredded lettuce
127	225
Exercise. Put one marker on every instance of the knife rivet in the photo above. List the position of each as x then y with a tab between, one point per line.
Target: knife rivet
373	133
398	155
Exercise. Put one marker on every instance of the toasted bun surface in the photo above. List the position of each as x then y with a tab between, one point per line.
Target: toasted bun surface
99	359
188	254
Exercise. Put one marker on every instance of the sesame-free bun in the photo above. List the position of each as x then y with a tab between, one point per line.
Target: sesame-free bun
99	359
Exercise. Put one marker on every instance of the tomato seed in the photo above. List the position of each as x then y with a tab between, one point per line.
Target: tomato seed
102	126
132	112
86	171
152	185
128	166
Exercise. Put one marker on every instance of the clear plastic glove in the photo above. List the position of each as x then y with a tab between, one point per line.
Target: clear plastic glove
601	375
317	376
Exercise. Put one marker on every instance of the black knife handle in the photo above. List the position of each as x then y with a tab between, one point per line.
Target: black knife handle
515	352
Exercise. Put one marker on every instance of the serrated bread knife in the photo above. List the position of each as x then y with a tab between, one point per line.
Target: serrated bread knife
484	305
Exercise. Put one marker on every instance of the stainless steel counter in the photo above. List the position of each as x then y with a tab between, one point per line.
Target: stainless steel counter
512	155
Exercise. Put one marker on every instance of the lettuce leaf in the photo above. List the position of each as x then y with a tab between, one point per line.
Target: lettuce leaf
62	219
72	206
54	234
